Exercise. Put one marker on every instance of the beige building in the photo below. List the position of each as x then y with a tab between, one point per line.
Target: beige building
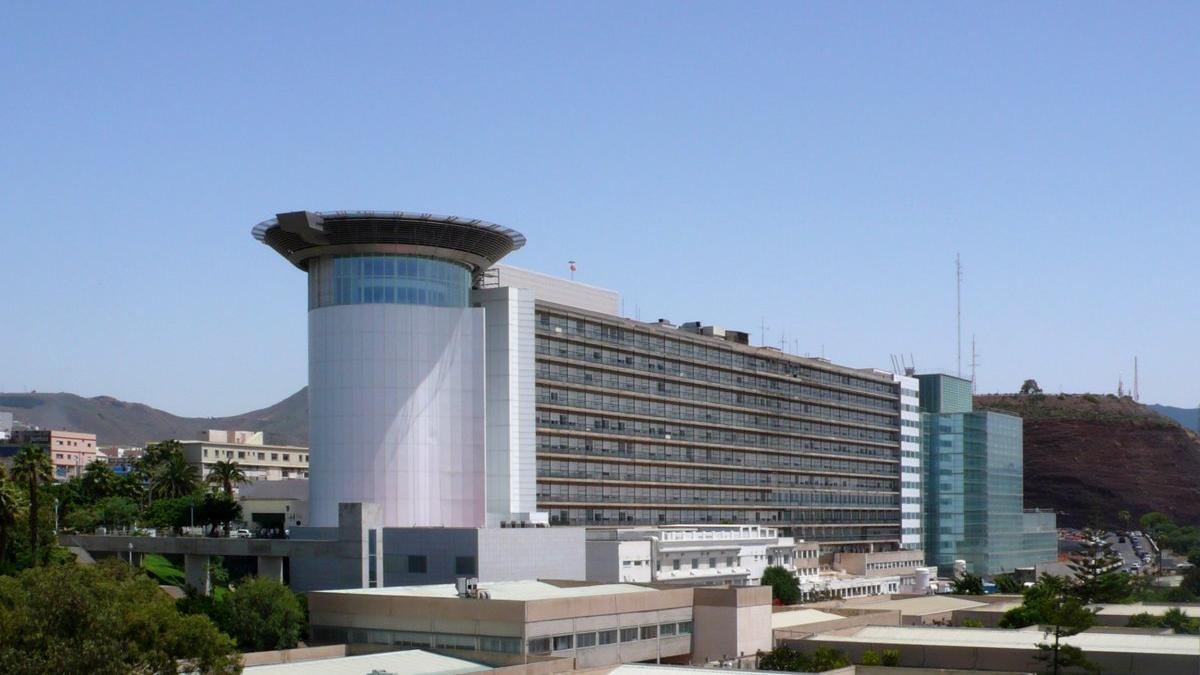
257	459
596	624
70	451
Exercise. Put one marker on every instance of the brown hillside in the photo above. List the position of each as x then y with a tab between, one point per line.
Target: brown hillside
1093	455
117	422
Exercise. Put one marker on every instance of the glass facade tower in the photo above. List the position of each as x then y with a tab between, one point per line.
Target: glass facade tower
974	492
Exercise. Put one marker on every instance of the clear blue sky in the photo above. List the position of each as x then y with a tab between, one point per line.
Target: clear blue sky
816	165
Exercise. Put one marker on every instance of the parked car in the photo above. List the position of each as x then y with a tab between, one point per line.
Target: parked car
240	534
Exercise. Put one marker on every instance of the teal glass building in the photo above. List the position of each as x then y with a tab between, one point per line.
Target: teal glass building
973	485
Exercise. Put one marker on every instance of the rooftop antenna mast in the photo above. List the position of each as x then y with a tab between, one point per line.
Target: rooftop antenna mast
762	340
572	264
958	306
974	364
1136	393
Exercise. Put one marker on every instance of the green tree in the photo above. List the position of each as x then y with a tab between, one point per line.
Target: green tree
1030	387
98	481
1177	620
174	477
1007	583
972	623
1154	523
1034	607
870	658
10	506
261	614
1097	571
891	658
828	658
784	586
968	584
33	469
786	659
226	474
1125	518
102	619
1051	604
218	510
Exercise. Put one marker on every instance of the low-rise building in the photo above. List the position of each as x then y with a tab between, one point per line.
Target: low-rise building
275	504
257	460
70	451
694	555
596	624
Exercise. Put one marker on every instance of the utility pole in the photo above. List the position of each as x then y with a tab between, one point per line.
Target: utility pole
1136	393
762	339
958	306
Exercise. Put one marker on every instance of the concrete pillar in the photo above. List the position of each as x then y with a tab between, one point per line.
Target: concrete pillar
271	566
195	572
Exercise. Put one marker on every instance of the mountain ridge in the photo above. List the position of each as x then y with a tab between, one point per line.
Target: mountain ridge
117	422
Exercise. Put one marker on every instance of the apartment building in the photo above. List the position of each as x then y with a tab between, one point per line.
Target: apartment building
258	460
653	424
70	451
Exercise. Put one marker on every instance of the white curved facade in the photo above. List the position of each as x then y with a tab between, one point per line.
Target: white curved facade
397	413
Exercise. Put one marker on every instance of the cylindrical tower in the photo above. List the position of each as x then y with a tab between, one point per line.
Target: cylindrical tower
396	385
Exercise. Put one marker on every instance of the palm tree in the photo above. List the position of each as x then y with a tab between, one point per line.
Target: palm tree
226	473
98	480
10	503
174	478
32	467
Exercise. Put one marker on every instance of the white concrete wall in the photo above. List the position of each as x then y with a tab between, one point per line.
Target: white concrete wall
561	291
511	404
396	401
517	553
910	467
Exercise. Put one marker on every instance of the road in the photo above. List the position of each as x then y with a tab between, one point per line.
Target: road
1126	551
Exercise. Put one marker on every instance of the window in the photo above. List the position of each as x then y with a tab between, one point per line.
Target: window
685	627
607	637
695	563
563	642
675	565
585	640
730	562
503	645
539	646
418	564
274	456
372	580
649	632
464	564
629	634
712	562
666	629
286	457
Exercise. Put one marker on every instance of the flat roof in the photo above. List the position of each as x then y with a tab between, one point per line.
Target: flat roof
801	617
926	604
501	590
999	638
300	235
409	662
1192	610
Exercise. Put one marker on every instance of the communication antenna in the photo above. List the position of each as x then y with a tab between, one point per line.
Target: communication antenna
571	263
1136	394
958	306
762	338
974	364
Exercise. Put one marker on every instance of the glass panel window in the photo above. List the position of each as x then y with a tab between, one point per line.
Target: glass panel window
585	640
629	634
418	564
666	629
387	279
685	627
563	642
539	646
649	632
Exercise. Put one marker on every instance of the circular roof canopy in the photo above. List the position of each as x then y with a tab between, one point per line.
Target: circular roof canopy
302	235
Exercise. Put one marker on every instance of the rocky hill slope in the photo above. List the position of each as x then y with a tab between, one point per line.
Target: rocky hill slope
1092	455
117	422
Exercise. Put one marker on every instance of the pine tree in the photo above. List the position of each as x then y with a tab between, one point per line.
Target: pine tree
1097	571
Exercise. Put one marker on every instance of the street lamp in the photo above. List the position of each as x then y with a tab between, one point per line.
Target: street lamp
56	516
131	554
